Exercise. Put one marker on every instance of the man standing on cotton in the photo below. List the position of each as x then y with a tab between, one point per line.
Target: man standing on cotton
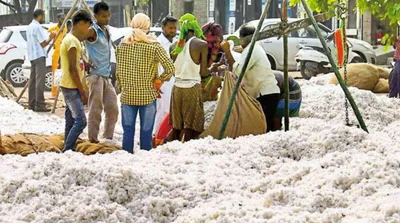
169	27
57	44
37	41
395	82
71	85
102	94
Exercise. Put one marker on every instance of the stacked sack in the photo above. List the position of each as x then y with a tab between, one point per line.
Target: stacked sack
25	144
366	77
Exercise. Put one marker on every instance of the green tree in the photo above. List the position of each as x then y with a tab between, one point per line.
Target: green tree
16	8
388	10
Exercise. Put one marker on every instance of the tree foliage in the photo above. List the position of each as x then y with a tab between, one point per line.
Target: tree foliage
16	8
388	10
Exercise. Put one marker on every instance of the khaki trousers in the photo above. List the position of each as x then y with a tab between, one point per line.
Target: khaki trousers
101	96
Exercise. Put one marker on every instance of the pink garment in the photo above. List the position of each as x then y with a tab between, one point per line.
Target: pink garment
397	52
141	27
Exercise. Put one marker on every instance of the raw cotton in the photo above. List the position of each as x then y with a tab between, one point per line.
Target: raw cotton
320	171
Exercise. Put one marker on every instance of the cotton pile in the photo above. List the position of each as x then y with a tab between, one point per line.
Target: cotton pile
320	171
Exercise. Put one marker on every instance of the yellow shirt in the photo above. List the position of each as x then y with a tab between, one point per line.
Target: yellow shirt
56	29
69	42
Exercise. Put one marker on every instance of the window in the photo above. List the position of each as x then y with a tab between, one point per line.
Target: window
23	34
188	6
5	35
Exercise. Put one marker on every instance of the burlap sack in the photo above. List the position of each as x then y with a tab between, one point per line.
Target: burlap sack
384	73
247	117
362	76
88	148
382	86
210	86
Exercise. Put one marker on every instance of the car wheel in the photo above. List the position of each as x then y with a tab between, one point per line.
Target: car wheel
48	81
15	75
309	70
357	60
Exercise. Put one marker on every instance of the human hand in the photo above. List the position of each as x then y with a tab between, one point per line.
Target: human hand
53	35
225	47
84	97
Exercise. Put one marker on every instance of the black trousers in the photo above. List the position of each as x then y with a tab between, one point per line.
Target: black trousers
37	83
269	105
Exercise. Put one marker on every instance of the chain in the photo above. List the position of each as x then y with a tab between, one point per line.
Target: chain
346	102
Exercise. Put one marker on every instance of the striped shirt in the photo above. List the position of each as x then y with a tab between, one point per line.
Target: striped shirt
36	35
137	68
397	52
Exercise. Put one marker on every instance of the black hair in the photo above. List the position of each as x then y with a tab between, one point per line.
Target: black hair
37	13
60	15
247	30
81	15
168	19
100	6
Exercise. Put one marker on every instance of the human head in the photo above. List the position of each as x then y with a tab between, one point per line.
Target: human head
214	36
187	23
102	13
60	18
246	30
169	26
81	21
140	30
39	16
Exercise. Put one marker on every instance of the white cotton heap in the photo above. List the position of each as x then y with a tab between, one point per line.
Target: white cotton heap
320	171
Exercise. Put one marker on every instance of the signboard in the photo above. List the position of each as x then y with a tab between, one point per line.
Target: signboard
232	5
212	5
232	24
69	3
249	2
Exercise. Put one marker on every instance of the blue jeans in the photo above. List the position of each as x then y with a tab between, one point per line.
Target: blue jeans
147	115
75	118
394	87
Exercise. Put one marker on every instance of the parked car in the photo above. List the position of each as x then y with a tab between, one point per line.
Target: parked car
26	69
12	50
274	47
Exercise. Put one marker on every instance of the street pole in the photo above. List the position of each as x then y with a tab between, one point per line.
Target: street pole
243	71
335	68
285	63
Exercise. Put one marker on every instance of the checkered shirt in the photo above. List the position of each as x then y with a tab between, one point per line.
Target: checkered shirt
137	68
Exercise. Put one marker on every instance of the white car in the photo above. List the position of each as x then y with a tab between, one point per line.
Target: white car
12	50
26	69
274	47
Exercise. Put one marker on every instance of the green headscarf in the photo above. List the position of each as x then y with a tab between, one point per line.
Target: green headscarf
187	22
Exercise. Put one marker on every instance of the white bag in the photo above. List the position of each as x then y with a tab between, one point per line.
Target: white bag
57	77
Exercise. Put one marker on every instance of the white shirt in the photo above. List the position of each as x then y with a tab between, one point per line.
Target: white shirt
259	78
187	72
166	44
35	36
163	103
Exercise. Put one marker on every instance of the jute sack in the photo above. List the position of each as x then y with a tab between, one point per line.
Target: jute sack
362	76
382	86
247	117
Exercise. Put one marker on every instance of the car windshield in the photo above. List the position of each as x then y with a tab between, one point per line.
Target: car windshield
5	35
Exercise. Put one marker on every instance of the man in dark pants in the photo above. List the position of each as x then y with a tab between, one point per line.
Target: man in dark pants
259	80
395	81
37	41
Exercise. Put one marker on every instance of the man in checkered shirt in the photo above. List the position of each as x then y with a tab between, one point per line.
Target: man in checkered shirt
138	58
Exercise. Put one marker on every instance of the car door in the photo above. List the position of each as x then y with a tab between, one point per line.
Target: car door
273	47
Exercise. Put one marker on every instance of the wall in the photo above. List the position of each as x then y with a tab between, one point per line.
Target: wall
200	9
11	20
